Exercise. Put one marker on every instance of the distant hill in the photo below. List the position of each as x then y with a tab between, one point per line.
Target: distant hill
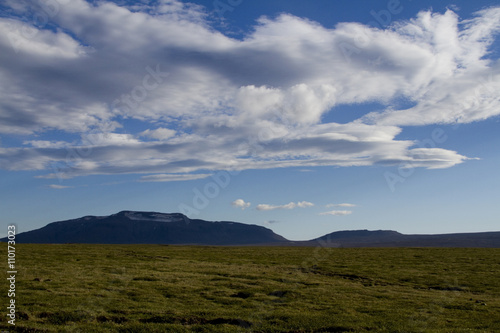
130	227
389	238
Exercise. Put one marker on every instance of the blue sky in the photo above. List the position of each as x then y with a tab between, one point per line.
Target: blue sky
304	117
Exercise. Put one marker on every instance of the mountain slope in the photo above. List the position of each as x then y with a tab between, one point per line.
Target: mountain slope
149	228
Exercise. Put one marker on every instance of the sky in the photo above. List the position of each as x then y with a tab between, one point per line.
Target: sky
303	117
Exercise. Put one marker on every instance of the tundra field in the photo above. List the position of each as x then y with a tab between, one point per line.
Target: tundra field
154	288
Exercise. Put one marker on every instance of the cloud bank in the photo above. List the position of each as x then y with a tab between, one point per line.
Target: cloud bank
208	102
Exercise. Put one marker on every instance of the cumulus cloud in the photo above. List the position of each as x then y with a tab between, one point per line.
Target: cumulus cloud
240	203
337	213
250	103
291	205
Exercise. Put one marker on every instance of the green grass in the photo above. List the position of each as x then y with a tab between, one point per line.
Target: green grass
135	288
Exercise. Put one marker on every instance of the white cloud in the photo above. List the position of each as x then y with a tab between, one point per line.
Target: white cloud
110	139
27	40
304	204
464	82
253	103
240	203
337	213
291	205
159	133
266	207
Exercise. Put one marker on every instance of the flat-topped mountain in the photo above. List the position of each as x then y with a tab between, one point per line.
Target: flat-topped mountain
130	227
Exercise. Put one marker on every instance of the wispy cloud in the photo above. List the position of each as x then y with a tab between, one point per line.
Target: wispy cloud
340	205
265	114
291	205
46	144
337	213
172	177
240	203
59	187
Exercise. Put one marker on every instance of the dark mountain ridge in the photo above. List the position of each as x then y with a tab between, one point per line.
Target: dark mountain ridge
130	227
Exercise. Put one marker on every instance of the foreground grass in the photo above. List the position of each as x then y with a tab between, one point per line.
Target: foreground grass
136	288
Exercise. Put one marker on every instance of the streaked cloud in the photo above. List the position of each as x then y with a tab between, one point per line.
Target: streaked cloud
340	205
291	205
172	177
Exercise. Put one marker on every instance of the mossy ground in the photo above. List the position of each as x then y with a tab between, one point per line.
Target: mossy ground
154	288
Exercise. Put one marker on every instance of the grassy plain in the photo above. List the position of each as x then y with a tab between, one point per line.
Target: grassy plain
136	288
